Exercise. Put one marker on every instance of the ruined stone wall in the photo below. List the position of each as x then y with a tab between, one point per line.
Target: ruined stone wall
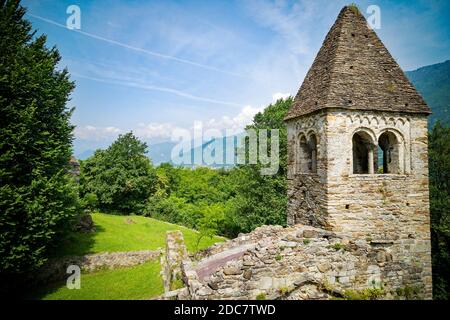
174	254
388	209
300	262
306	191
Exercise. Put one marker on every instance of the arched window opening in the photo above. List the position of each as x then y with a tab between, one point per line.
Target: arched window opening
363	154
302	155
390	157
306	154
312	148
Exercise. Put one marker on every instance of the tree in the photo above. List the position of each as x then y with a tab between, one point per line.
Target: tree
261	199
38	200
439	153
209	224
122	176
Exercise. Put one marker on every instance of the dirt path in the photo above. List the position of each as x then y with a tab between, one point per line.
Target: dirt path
206	267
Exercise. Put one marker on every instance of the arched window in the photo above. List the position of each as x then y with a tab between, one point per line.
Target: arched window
302	155
312	148
363	153
390	149
306	158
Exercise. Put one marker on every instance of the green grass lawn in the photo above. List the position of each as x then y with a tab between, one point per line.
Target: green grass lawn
134	283
113	233
116	233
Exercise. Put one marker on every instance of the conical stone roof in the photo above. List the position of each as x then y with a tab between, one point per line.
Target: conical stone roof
354	70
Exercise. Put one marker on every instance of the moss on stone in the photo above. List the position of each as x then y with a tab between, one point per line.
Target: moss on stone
261	296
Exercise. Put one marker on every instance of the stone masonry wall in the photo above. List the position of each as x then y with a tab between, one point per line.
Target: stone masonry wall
389	210
306	191
306	201
383	208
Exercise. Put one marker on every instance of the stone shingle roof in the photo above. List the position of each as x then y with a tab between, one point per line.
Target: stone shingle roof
354	70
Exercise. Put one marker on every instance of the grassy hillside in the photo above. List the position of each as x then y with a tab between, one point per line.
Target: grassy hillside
127	233
135	283
433	83
119	233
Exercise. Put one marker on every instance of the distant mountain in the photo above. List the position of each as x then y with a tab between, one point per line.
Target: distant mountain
85	154
161	152
433	83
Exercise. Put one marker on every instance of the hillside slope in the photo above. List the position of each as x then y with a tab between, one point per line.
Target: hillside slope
127	233
433	83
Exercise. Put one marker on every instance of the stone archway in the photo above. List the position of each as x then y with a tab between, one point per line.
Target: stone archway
390	148
363	149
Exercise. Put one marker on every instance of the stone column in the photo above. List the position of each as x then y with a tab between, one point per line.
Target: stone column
370	160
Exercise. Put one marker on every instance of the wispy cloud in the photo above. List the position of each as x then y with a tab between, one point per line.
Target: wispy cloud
128	83
284	18
141	50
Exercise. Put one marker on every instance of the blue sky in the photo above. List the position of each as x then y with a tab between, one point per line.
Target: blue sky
153	66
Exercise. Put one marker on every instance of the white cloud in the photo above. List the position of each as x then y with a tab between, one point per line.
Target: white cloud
277	96
163	130
155	130
112	130
236	123
96	133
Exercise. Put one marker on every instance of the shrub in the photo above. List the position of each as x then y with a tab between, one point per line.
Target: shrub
90	202
366	294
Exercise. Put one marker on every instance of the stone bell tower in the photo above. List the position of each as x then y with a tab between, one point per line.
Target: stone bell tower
357	149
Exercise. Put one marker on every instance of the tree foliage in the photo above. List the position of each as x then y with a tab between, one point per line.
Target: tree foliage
37	198
122	176
439	144
184	195
261	199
